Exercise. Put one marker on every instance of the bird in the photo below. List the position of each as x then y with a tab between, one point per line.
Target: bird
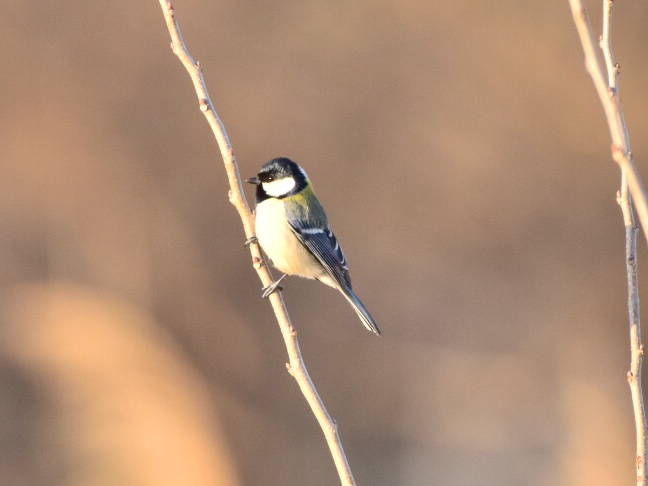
292	228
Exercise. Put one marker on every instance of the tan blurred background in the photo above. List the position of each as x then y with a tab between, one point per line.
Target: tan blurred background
463	158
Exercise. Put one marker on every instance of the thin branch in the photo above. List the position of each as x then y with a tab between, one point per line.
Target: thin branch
296	367
614	114
622	154
636	348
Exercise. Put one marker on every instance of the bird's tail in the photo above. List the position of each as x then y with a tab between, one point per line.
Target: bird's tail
362	311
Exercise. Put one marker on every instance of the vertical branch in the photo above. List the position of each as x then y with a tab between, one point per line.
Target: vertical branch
296	366
631	184
613	113
625	201
636	348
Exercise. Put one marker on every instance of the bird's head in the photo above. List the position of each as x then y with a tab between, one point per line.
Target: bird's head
279	178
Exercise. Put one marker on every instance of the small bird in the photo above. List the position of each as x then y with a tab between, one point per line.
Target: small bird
293	230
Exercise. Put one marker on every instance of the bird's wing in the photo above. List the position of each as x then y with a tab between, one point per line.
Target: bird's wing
324	245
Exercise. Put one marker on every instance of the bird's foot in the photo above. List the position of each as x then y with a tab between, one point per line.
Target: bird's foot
273	287
251	241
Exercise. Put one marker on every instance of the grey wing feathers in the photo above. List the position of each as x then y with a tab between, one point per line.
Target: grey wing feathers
324	245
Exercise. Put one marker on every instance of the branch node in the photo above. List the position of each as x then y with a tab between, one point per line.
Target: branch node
617	153
204	104
290	370
257	263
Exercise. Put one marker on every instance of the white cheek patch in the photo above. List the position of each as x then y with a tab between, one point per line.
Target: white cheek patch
280	187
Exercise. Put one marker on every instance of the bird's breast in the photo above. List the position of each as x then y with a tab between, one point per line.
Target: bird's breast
280	243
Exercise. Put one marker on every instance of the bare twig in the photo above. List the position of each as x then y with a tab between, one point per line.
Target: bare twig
614	114
296	367
636	348
621	153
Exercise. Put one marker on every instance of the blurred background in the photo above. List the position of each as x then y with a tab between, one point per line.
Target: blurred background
464	161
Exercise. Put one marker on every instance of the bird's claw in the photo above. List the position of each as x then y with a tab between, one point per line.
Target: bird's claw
273	287
251	241
270	289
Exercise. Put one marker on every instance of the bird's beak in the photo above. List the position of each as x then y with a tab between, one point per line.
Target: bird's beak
253	180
